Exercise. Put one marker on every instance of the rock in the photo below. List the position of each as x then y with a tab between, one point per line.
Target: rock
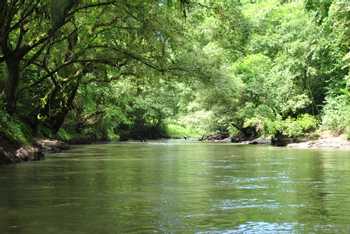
12	152
225	140
219	137
29	153
245	135
260	141
281	140
52	146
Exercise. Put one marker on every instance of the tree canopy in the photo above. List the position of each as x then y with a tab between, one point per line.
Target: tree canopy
107	69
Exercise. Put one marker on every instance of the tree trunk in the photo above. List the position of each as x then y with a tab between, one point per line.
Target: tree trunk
13	77
56	121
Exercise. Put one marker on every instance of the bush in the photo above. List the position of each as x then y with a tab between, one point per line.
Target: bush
300	126
291	127
336	114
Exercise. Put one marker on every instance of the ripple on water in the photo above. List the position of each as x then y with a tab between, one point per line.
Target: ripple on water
251	183
252	187
247	203
257	227
233	179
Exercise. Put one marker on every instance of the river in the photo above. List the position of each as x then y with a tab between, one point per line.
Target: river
178	187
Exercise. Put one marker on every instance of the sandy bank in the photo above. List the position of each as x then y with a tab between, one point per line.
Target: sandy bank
324	142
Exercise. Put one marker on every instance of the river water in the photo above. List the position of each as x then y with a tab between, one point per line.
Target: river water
175	187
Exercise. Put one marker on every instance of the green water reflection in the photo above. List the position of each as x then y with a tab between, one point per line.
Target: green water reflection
178	188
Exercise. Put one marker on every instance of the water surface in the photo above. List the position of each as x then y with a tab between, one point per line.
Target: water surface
178	188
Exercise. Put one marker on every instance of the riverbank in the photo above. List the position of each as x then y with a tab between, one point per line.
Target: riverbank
324	142
13	152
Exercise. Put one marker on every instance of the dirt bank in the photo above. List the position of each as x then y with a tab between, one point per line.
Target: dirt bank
13	152
324	142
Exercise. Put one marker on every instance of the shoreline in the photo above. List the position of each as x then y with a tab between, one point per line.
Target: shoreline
41	147
12	152
324	142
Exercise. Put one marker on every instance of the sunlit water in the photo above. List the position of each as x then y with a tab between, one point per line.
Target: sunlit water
178	188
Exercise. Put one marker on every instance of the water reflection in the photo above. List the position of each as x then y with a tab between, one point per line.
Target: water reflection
178	188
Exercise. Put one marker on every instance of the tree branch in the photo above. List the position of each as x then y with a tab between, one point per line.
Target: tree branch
25	16
94	5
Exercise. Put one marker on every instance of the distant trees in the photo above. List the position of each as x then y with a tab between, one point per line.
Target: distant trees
294	61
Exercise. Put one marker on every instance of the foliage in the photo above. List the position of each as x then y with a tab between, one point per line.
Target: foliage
14	130
178	130
299	126
109	70
336	116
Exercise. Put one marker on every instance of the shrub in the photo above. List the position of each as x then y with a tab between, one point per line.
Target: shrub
336	114
300	126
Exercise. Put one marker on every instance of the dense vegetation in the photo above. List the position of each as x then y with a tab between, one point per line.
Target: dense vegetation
105	70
